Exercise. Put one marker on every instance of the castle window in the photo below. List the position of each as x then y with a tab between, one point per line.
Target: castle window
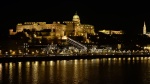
54	30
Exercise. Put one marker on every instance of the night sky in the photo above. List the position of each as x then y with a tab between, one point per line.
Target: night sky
103	15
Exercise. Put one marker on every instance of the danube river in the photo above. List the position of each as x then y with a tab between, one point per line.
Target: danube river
82	71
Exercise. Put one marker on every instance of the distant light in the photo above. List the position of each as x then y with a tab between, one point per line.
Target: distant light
64	37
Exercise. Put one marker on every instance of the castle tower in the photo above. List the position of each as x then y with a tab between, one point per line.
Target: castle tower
76	18
144	28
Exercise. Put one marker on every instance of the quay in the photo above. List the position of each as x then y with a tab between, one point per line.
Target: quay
48	58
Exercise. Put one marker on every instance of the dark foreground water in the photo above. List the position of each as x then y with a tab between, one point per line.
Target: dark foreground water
94	71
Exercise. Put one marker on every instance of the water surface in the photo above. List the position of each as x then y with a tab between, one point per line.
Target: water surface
93	71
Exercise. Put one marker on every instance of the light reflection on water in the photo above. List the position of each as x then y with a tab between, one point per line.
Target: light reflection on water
51	69
27	64
35	73
11	72
83	71
19	72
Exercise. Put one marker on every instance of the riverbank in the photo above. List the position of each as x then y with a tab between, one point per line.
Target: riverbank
46	58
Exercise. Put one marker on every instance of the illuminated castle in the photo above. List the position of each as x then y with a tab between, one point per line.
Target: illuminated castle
56	29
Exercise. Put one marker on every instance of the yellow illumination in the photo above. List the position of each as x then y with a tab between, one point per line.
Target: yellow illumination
13	53
32	52
10	50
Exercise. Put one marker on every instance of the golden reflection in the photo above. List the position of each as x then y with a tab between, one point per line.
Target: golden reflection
57	61
64	62
43	70
115	58
119	61
43	63
51	63
105	59
27	71
85	69
119	58
35	74
124	58
19	72
64	72
10	72
1	71
137	58
36	63
81	60
51	77
75	72
6	66
115	61
128	61
109	62
70	60
81	70
92	60
10	65
97	60
85	61
145	57
141	58
27	64
148	63
75	61
129	58
133	58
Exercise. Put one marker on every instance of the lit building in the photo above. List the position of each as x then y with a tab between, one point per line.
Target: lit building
111	31
145	30
75	28
147	47
56	29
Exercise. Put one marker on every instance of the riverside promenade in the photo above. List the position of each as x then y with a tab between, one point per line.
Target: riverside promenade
48	58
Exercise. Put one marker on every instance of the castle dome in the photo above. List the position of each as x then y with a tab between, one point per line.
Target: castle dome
76	17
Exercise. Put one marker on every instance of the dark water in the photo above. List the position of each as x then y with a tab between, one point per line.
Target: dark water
94	71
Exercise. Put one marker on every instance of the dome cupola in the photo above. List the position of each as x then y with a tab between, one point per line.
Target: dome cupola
76	18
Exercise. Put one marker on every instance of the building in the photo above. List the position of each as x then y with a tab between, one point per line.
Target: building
111	31
75	27
145	30
56	29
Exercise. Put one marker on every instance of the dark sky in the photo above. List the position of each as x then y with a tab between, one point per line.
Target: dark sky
125	16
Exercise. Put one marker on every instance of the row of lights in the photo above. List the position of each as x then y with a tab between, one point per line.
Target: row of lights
20	53
77	51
